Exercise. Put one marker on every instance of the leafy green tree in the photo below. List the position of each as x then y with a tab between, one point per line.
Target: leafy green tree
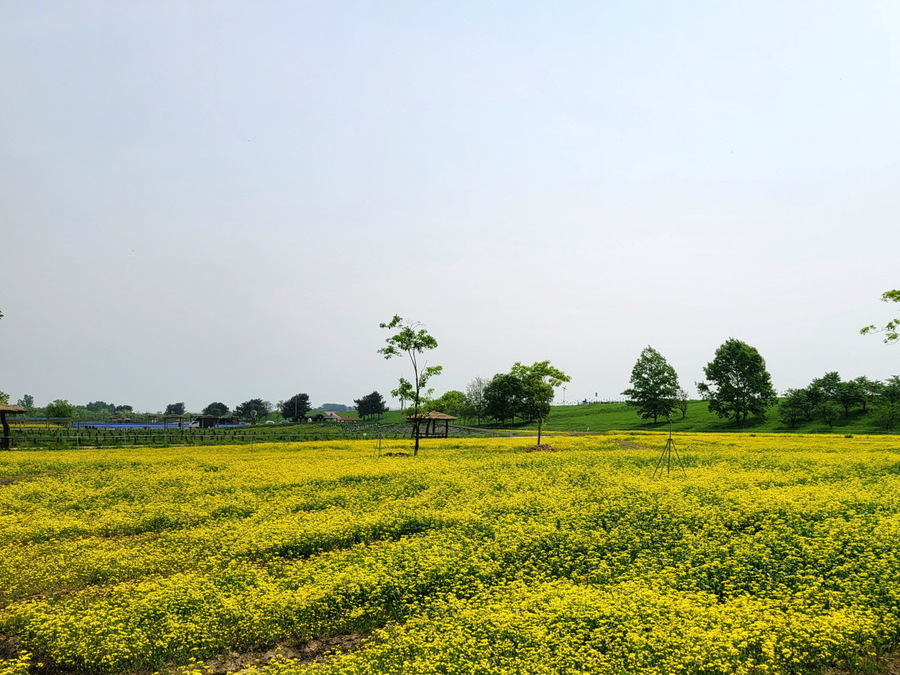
452	403
4	397
891	329
295	408
27	401
253	409
868	390
370	406
175	408
216	409
504	398
539	380
404	392
793	407
411	340
886	414
60	408
848	394
681	402
827	412
739	384
474	408
828	385
890	390
654	386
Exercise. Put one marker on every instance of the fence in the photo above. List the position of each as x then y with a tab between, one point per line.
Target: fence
58	439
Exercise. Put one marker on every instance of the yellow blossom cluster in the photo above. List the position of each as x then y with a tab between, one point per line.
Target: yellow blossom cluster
764	554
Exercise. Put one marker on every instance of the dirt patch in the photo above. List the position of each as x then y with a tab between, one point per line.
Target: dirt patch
307	652
631	445
9	480
396	454
543	447
888	665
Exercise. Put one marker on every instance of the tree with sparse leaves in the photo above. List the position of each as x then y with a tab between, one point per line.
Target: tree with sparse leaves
654	386
891	329
411	340
739	384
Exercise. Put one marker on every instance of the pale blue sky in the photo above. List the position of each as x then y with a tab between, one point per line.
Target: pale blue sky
220	201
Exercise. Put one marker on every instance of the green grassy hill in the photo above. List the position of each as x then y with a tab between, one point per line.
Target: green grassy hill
622	417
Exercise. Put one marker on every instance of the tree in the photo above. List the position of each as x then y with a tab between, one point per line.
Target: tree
59	409
452	403
295	408
412	340
539	380
175	408
654	386
827	412
253	409
847	395
4	397
891	329
793	407
890	389
885	415
739	384
504	398
868	390
474	408
370	405
681	402
27	401
216	409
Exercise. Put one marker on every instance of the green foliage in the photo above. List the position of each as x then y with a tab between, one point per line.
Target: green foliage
295	408
216	409
253	409
654	387
504	398
4	397
27	401
370	406
891	329
59	409
175	408
451	402
739	384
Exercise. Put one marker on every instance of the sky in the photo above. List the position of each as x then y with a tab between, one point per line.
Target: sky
222	201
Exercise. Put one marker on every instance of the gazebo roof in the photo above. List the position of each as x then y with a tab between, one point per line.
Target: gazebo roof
11	409
433	415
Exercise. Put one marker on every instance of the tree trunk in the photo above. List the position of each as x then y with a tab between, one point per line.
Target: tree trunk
4	442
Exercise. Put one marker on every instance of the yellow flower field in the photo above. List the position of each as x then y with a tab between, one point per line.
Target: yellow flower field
766	554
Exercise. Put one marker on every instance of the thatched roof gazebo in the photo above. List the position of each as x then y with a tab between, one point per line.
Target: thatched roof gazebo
6	409
426	424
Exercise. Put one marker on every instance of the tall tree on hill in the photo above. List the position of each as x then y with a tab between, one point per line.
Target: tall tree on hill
539	380
295	408
891	329
654	386
412	340
370	405
739	384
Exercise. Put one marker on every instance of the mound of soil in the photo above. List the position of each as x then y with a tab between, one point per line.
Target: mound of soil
543	447
396	454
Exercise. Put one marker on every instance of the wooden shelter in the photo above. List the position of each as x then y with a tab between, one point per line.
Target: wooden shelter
6	409
427	425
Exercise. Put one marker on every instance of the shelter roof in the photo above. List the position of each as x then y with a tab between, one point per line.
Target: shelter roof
11	409
433	415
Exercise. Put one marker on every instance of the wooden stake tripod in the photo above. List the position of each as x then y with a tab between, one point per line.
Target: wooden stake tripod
666	455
